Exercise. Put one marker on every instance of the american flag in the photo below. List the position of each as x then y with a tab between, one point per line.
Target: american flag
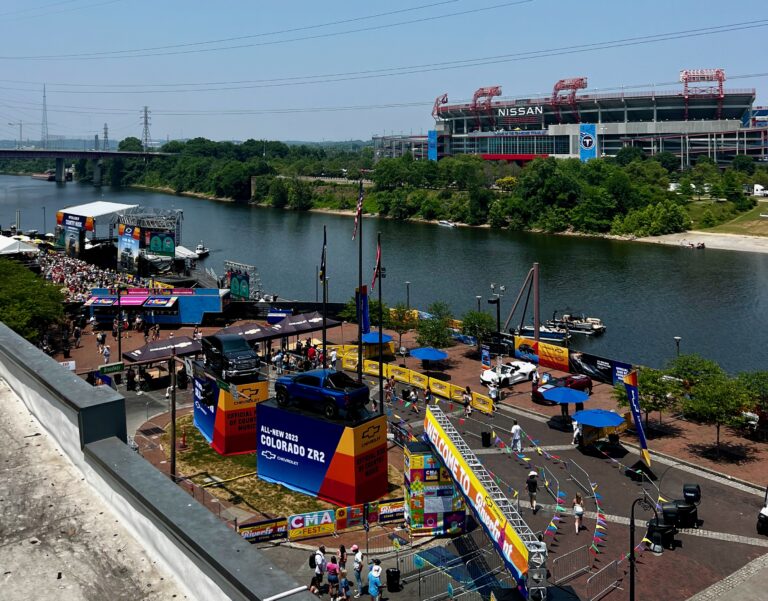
376	269
359	210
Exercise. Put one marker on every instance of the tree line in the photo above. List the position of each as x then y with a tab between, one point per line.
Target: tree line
629	194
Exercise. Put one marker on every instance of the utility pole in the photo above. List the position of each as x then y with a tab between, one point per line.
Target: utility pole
44	130
14	124
145	133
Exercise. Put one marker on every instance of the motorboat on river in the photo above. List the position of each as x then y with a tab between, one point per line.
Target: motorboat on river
577	324
202	251
548	333
445	223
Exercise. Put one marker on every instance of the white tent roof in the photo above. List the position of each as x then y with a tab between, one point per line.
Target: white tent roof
9	246
182	252
100	208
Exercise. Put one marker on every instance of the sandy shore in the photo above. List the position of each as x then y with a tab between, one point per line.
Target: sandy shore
755	244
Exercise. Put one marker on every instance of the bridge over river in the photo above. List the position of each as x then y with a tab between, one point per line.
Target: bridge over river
61	156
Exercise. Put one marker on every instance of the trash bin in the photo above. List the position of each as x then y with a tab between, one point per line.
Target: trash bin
666	531
486	438
393	579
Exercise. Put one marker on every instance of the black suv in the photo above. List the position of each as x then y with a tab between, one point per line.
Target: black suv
230	356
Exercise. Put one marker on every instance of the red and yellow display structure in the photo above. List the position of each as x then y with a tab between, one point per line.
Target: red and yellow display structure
340	462
433	505
225	413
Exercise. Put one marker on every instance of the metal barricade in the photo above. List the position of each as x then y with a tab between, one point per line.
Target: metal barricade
393	541
551	483
603	581
571	564
580	477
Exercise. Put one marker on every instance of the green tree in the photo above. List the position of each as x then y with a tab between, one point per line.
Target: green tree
717	401
478	324
667	160
131	144
629	154
299	195
434	330
278	192
686	188
402	320
694	369
656	392
743	163
708	218
756	385
28	319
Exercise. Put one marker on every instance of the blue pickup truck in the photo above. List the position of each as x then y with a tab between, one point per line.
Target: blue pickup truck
333	392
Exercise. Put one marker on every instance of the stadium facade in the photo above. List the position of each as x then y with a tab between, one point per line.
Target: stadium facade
701	118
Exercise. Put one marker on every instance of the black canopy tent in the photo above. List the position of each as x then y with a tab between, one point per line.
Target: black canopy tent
160	350
293	325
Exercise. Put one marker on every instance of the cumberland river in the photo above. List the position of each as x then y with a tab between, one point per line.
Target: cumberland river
717	301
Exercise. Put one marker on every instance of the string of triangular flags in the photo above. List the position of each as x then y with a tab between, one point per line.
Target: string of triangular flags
618	464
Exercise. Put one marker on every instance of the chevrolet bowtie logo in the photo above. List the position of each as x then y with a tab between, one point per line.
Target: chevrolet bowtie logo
268	455
371	431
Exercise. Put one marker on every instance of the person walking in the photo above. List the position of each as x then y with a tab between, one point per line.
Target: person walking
576	433
77	333
374	581
342	557
320	564
428	397
517	437
106	352
532	483
357	567
578	512
466	399
334	357
414	398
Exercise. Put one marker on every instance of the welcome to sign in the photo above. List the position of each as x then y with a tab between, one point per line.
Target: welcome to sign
506	540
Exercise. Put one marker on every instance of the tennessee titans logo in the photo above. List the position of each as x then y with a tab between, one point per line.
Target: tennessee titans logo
587	141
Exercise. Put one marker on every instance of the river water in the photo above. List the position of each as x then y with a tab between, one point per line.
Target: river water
716	301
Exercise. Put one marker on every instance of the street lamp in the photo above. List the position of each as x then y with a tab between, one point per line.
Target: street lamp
119	324
14	124
479	298
645	504
408	295
677	343
497	301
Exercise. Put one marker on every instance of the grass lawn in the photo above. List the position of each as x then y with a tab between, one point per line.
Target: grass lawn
721	211
200	463
749	223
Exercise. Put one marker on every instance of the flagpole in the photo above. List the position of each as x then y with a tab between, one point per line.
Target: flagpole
381	328
325	298
360	292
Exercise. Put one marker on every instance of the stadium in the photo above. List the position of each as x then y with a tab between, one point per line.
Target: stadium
701	118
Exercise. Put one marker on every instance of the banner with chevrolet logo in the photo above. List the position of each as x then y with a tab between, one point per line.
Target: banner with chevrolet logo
346	465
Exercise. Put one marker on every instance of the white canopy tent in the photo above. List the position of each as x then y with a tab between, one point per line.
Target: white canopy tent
11	246
100	208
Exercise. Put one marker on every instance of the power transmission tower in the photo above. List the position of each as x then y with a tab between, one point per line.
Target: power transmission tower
145	133
44	131
105	145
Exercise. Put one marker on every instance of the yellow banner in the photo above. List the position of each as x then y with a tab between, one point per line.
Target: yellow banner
457	393
552	356
482	403
243	396
372	367
506	540
349	362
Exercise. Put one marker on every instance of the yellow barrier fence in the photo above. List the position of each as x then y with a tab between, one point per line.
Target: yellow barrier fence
372	368
419	380
457	393
482	403
401	374
440	388
349	362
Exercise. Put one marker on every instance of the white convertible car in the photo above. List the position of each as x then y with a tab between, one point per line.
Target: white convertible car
508	373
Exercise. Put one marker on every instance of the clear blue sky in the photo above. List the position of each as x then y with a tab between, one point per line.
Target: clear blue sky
79	105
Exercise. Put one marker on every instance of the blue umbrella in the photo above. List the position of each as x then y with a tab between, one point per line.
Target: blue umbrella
598	418
427	353
373	338
563	396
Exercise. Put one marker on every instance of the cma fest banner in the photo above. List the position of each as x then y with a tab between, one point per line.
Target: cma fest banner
587	141
327	459
507	542
225	414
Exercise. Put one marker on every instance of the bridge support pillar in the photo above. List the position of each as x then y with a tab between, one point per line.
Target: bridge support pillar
60	170
96	171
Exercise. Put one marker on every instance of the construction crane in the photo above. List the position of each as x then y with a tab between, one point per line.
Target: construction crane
438	101
570	85
689	76
485	96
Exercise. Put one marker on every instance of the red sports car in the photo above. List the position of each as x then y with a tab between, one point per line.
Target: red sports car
575	381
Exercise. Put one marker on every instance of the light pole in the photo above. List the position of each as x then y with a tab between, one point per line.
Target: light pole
43	219
408	295
645	504
677	343
497	301
14	124
479	298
